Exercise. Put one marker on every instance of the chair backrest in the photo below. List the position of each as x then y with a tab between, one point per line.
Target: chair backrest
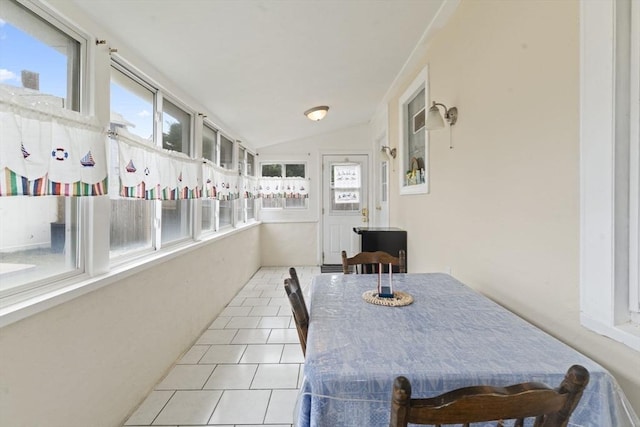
368	262
551	408
298	307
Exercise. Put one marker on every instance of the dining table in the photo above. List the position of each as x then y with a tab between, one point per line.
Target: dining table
444	335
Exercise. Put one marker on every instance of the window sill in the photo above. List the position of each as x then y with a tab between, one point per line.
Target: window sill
28	303
414	189
626	333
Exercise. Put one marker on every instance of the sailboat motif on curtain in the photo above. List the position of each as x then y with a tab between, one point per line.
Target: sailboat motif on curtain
152	173
44	154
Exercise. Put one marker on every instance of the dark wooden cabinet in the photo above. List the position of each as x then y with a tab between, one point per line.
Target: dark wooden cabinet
388	239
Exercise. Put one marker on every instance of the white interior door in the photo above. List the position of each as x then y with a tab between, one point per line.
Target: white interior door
344	204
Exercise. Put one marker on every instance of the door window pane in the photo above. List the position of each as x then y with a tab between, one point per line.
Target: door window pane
345	187
384	182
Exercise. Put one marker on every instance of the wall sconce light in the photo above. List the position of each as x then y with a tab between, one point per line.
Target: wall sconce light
434	119
317	113
390	151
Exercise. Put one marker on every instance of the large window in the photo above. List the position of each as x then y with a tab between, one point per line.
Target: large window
39	63
280	199
47	240
132	107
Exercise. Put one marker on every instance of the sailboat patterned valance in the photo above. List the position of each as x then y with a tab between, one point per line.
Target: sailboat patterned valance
47	150
288	188
219	183
250	186
152	173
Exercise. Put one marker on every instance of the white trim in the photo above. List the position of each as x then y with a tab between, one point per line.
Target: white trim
604	214
634	166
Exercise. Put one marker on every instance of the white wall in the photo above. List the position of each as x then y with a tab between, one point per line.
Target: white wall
289	244
88	361
294	234
503	212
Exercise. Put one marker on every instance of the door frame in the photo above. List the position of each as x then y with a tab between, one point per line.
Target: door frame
321	188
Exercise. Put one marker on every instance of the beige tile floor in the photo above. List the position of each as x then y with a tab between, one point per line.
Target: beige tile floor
244	370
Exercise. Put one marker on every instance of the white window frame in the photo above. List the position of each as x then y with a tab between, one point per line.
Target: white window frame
419	83
128	71
214	203
190	215
634	155
76	210
607	137
284	164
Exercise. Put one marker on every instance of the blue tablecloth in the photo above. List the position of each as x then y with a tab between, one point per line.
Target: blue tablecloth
450	337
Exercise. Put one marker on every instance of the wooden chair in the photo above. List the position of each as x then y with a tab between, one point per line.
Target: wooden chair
551	408
367	262
298	307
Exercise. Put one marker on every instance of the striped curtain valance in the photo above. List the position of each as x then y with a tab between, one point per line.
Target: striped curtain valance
46	150
288	188
152	173
220	183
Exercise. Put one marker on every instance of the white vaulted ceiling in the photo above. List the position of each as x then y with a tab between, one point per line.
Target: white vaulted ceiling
257	65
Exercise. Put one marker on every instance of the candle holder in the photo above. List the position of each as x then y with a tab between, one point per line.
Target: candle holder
385	291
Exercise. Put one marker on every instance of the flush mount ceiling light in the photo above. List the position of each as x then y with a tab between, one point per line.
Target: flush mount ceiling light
317	113
434	119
